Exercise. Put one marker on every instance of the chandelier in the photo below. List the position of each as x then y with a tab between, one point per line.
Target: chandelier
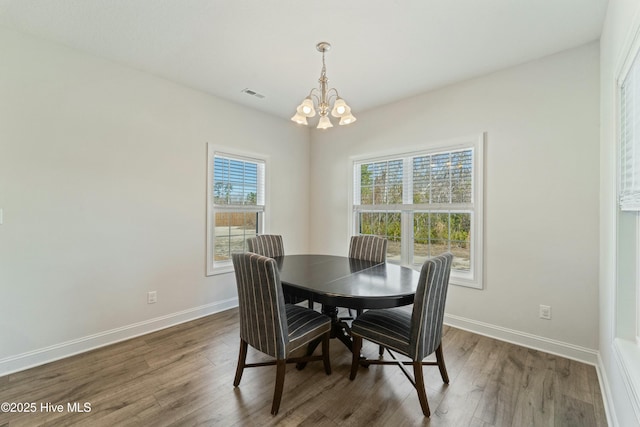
323	98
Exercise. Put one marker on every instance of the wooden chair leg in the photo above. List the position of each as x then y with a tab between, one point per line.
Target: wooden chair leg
380	351
422	394
325	353
242	357
281	365
441	365
355	358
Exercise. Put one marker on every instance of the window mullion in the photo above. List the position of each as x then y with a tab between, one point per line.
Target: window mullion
406	217
406	239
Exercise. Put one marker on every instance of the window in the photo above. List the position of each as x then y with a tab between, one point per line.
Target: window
628	221
425	203
626	344
235	206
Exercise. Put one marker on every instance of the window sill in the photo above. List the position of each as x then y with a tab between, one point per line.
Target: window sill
459	279
215	271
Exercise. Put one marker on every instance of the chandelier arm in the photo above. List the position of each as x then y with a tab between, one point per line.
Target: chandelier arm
332	94
314	95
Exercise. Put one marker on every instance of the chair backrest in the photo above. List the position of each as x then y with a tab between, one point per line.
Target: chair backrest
263	319
267	245
428	306
368	248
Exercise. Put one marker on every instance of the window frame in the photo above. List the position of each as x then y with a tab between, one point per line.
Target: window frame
213	151
628	202
474	278
626	311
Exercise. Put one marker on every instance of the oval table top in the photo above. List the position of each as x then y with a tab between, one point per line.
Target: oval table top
347	282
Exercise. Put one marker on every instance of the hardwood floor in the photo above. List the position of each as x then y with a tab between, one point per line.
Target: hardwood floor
184	376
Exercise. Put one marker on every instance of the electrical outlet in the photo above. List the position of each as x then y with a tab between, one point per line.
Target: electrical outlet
152	297
545	312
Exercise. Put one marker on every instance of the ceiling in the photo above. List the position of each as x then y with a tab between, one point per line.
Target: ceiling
382	51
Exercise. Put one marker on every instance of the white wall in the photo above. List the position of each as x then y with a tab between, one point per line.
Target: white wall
103	188
622	16
541	192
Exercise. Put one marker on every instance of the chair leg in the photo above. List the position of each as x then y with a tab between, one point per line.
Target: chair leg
355	358
325	353
380	351
242	357
281	365
422	394
441	365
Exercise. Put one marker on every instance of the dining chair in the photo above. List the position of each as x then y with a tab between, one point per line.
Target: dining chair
271	326
415	335
267	245
368	248
271	245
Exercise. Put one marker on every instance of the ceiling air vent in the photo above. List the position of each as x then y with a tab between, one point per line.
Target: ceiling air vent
253	93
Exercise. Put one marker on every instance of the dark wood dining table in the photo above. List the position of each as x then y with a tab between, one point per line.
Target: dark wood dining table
336	281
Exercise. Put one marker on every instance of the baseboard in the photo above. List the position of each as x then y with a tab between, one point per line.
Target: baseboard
69	348
570	351
44	355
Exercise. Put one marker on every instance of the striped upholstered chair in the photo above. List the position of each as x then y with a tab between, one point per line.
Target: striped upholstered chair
415	335
267	245
271	326
271	245
368	248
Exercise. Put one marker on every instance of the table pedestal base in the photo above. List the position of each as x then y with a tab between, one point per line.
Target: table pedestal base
339	329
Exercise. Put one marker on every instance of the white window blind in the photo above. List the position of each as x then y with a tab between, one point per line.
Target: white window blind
629	192
238	183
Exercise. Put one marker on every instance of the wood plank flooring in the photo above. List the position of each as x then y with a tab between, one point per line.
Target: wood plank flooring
183	376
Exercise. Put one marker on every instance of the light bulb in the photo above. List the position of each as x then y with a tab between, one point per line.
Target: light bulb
307	107
340	108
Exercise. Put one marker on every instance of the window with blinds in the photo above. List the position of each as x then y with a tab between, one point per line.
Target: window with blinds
236	206
629	186
425	203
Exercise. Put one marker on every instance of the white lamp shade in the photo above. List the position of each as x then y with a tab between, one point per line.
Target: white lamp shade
306	108
324	123
299	119
340	108
347	119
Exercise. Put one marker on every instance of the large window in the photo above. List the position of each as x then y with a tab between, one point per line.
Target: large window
626	344
235	208
425	203
628	239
